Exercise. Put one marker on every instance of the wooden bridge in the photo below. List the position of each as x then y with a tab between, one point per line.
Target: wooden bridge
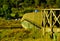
51	18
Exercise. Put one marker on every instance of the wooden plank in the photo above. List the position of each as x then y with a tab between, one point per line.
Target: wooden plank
54	29
50	9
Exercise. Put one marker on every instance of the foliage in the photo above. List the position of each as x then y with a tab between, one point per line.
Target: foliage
36	2
57	3
14	6
5	7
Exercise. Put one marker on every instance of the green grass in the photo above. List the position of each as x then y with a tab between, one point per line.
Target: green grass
22	34
36	18
25	35
19	34
9	23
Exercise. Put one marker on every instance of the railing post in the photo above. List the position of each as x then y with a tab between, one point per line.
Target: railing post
51	26
43	22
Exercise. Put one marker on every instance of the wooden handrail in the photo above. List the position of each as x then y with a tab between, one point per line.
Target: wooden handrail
50	9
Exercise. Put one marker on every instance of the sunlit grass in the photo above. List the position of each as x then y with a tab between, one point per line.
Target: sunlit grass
9	23
33	34
35	18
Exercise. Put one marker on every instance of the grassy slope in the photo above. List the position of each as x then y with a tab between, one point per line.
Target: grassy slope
9	23
22	34
35	18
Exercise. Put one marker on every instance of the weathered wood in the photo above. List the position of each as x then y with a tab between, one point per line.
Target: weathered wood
49	9
49	17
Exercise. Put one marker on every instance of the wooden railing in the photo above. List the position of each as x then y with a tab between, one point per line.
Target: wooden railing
51	17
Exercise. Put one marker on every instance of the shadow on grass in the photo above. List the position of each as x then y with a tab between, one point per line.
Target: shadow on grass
11	27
